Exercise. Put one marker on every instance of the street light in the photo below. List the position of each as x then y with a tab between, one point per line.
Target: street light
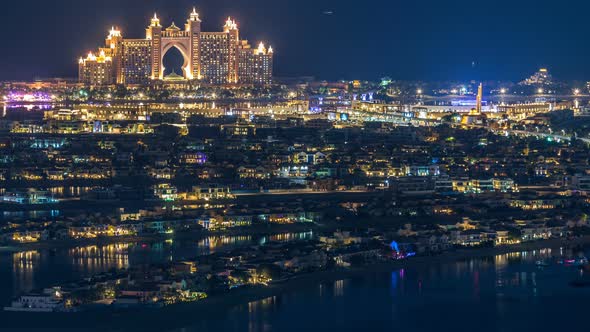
502	91
539	91
577	92
419	91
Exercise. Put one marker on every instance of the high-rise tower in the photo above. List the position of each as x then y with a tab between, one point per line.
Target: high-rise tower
479	98
114	46
209	57
154	33
193	27
234	38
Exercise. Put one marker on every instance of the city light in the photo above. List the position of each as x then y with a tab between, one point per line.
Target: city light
28	97
125	60
146	179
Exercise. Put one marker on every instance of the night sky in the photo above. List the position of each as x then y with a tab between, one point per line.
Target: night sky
426	40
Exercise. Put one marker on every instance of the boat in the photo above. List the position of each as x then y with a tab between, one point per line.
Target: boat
541	263
50	300
581	261
566	261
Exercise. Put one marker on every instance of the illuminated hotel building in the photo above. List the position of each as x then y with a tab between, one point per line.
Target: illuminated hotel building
255	65
209	57
96	70
136	62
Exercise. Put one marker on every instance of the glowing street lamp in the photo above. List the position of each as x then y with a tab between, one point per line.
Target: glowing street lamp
419	91
576	92
502	91
539	91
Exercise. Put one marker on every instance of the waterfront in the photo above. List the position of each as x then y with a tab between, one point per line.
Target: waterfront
33	269
505	292
185	180
474	288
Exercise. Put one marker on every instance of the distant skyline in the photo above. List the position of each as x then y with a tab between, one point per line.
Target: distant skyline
328	39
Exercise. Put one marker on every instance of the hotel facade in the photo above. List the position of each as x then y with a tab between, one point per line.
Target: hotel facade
209	57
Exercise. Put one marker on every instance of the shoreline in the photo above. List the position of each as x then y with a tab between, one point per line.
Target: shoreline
195	235
184	313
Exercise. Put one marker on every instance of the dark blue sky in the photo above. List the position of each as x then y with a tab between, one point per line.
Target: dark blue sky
424	39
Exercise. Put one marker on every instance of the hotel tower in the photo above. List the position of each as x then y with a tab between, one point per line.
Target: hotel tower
209	57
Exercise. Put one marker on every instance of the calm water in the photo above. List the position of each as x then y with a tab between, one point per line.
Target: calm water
36	269
501	293
497	293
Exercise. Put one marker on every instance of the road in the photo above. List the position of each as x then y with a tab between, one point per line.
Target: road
545	135
300	192
528	133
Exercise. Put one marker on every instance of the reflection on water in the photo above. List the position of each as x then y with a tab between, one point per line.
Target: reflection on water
23	267
70	191
94	259
338	287
254	306
505	292
286	237
257	310
212	244
33	214
495	293
61	192
505	278
26	106
48	267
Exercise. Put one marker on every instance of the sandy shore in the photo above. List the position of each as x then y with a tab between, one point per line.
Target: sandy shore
188	313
